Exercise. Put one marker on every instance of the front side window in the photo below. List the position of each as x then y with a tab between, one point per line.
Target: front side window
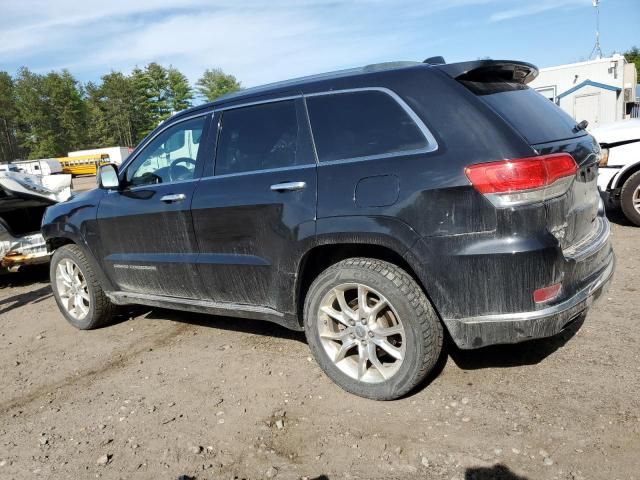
258	137
361	124
170	157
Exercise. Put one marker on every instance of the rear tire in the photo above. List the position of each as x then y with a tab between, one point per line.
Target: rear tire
371	328
77	290
630	199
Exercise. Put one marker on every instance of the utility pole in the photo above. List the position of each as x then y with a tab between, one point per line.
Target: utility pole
597	51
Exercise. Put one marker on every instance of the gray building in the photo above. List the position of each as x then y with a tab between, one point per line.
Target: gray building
599	91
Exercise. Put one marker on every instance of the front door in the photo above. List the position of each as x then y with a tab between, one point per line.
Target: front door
146	230
255	213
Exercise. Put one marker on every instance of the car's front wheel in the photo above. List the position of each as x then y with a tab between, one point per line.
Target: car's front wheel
77	290
371	328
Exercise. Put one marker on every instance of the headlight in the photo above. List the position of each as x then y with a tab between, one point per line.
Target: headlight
604	157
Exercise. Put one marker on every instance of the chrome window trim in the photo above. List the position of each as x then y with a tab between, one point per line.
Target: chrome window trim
151	185
257	102
263	170
130	160
432	144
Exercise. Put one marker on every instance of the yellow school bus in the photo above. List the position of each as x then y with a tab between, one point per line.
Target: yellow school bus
83	165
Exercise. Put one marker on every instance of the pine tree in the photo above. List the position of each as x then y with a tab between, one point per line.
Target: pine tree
8	119
180	93
215	83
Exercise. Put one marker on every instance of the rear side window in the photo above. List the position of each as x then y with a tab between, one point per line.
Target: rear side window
361	124
536	118
258	137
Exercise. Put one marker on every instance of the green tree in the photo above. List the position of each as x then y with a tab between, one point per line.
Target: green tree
8	119
633	56
179	92
159	92
111	107
52	113
215	83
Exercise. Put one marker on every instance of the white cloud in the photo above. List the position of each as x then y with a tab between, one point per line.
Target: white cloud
256	40
532	8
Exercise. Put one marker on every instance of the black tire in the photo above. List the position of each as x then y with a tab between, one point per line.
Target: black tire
101	310
626	198
423	330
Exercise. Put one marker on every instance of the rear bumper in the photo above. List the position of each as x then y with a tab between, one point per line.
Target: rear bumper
480	331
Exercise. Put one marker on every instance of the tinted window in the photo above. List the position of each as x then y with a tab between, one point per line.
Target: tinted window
361	124
169	157
536	118
258	138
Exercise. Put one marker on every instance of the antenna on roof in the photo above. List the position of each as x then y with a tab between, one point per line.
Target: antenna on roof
597	51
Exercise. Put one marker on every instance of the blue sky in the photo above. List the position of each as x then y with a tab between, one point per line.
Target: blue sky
261	41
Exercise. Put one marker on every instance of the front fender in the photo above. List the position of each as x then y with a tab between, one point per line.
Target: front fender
74	221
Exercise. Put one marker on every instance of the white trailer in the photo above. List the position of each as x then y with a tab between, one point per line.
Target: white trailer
116	154
42	166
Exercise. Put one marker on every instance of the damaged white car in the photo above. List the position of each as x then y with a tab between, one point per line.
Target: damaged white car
23	200
619	173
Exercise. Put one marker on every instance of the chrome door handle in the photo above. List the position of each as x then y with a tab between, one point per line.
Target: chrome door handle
174	197
288	186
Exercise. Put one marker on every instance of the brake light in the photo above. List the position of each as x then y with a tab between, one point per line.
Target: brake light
523	180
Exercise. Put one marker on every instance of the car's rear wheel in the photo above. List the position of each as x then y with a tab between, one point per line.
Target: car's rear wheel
630	199
371	328
77	290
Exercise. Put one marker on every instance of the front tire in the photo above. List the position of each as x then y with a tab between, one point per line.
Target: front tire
630	199
371	328
77	290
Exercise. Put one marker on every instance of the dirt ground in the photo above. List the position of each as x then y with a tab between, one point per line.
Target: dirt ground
166	394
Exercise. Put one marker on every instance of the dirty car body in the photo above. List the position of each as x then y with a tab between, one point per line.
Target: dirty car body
23	200
477	187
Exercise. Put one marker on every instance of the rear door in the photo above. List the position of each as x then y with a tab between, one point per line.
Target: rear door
146	232
254	210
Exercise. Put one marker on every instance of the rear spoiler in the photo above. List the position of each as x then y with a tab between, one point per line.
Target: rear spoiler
483	70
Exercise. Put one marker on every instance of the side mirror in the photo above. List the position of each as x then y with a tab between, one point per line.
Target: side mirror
108	176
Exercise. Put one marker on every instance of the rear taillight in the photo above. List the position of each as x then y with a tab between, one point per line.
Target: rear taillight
524	180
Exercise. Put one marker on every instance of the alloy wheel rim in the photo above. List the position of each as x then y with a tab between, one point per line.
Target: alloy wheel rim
72	289
636	199
361	333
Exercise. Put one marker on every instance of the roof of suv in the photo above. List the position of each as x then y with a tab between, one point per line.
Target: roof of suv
286	85
526	72
300	81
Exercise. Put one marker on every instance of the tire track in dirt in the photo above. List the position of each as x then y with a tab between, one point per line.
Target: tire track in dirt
85	378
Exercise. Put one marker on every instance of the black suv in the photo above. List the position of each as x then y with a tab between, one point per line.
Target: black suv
371	208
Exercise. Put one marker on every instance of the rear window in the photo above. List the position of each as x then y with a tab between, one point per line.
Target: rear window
361	124
535	117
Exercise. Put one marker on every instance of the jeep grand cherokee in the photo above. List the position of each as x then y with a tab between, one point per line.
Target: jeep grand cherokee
371	208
